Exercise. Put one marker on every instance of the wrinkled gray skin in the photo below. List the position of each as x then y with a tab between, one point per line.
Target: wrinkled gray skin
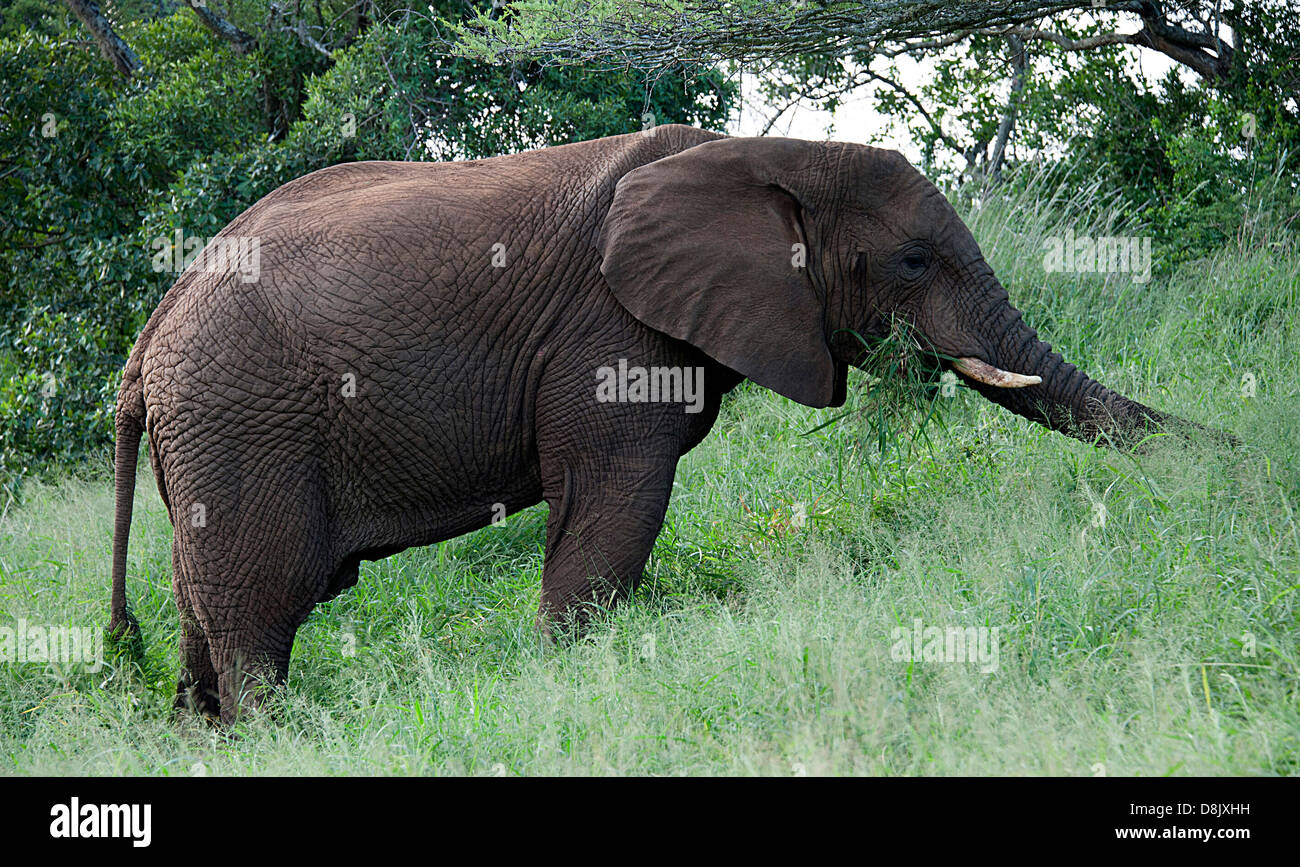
475	385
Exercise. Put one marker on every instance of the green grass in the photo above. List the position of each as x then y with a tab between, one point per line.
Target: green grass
1164	643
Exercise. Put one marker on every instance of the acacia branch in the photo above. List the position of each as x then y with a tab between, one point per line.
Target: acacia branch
925	44
652	34
1086	44
649	34
1209	56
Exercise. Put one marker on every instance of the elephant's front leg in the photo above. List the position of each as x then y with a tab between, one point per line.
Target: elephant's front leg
606	511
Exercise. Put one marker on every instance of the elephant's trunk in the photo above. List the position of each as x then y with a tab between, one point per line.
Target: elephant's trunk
1066	399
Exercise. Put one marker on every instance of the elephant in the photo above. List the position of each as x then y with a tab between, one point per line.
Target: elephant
426	347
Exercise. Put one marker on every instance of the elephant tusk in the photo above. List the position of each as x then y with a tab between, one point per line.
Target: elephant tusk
982	371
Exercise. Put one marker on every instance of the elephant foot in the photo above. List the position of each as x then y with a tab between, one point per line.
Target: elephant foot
198	698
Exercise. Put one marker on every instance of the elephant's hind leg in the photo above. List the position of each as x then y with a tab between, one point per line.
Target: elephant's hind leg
251	642
197	689
253	575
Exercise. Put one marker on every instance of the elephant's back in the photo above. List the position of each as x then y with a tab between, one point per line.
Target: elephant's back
403	226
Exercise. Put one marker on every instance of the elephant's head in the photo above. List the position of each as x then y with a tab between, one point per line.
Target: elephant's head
768	253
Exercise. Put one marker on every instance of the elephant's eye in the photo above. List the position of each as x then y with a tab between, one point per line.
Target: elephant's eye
915	261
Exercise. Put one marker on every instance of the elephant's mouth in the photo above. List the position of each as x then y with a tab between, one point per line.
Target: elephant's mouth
982	371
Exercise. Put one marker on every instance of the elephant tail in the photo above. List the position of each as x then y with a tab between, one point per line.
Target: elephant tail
122	625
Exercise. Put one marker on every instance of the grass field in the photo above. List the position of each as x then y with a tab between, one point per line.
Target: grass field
1160	641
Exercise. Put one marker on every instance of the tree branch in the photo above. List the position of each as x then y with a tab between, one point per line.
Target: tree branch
650	34
1020	63
300	30
916	103
114	49
240	41
1203	52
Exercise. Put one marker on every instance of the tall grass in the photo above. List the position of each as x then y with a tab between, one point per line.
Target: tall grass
1160	641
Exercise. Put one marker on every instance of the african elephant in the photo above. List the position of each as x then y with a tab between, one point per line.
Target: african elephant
427	346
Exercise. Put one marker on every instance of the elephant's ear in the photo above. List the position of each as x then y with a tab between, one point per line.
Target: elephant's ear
701	245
